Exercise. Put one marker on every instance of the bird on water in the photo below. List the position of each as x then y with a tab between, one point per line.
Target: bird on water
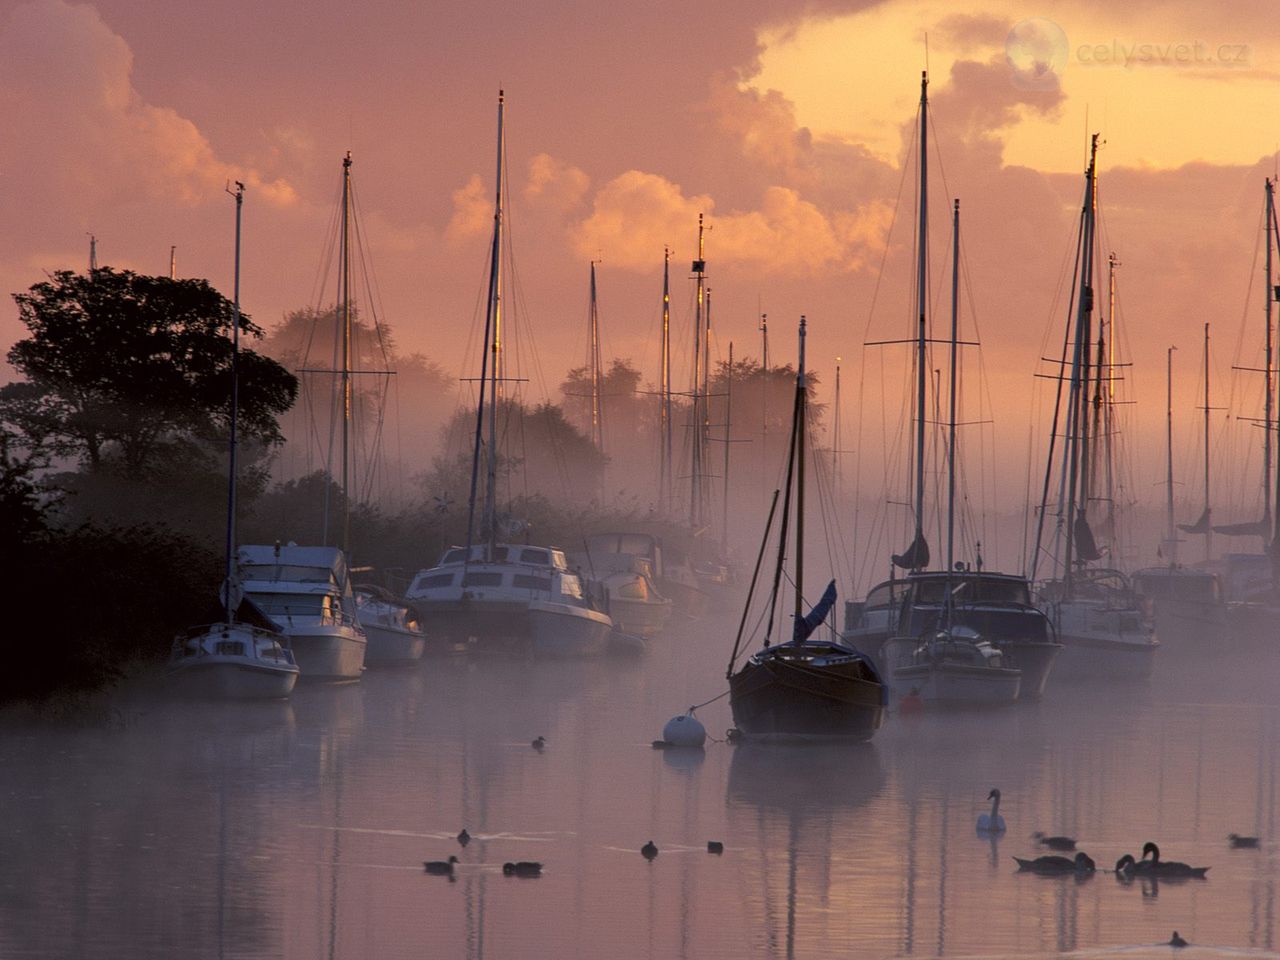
649	850
992	822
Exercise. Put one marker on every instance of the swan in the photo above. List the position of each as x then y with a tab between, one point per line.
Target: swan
1240	843
1166	868
649	850
522	868
1081	864
1054	843
464	838
440	868
992	822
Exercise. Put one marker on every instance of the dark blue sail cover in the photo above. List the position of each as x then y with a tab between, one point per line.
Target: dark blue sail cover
915	557
806	625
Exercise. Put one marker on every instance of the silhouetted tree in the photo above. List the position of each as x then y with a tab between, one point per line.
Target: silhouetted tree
135	370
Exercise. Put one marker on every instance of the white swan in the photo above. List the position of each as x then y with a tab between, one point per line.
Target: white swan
992	822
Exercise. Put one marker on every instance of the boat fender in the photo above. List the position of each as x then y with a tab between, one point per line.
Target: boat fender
685	730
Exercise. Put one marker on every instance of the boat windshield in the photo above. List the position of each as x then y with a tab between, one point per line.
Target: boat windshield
295	604
287	572
972	589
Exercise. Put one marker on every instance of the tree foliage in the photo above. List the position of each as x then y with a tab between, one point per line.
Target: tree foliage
134	370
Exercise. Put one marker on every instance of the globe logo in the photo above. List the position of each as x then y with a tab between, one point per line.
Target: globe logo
1036	50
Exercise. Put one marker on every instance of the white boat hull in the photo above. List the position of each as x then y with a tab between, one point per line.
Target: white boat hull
234	678
643	617
957	684
1104	658
392	646
328	654
562	630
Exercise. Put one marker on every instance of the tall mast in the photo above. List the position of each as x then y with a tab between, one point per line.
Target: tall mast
597	374
764	389
1170	525
173	263
951	440
801	427
228	600
1108	401
664	442
728	416
1078	419
488	355
1208	527
495	319
922	243
699	268
1268	227
93	252
345	254
835	459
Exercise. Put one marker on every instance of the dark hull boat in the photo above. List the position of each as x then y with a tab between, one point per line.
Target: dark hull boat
808	687
808	690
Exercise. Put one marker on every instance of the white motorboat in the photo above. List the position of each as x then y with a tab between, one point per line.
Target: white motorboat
508	596
631	597
392	629
307	592
954	667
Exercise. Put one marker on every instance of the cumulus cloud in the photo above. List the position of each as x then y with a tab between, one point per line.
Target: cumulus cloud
78	123
472	211
555	184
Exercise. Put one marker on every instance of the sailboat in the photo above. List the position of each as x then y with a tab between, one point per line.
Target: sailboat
490	595
241	655
1103	629
307	590
1187	603
991	628
809	686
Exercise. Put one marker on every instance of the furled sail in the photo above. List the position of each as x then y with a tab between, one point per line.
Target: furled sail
1086	547
915	557
1200	526
806	625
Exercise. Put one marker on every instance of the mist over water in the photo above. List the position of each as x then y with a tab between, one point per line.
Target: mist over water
299	829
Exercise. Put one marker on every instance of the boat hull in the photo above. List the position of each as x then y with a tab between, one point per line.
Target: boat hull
958	684
1191	626
776	697
645	618
328	654
392	646
1090	658
561	630
233	678
545	628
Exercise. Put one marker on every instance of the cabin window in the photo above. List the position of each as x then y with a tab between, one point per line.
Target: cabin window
230	648
531	583
286	572
456	555
284	605
435	580
482	580
571	586
535	556
633	590
884	595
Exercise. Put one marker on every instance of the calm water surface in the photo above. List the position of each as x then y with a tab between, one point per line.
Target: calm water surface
298	830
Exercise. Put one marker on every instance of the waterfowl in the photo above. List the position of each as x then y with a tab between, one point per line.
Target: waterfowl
715	846
1176	941
464	838
522	868
1238	842
1054	843
1082	863
1165	868
649	850
992	822
539	743
1126	865
440	868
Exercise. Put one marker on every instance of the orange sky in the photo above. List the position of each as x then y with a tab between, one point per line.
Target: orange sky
783	122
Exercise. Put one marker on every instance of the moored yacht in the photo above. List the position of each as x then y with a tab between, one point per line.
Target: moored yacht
1187	607
951	667
307	592
395	637
1104	631
506	595
241	658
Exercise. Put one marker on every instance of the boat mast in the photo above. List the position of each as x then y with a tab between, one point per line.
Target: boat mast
921	300
664	406
495	317
1270	228
835	459
802	416
951	440
597	373
1077	419
728	415
488	354
1172	535
1208	527
345	254
228	599
699	268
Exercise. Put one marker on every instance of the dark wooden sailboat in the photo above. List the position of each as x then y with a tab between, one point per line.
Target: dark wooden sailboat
808	687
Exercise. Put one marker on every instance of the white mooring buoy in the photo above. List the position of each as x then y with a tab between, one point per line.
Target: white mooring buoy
685	730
